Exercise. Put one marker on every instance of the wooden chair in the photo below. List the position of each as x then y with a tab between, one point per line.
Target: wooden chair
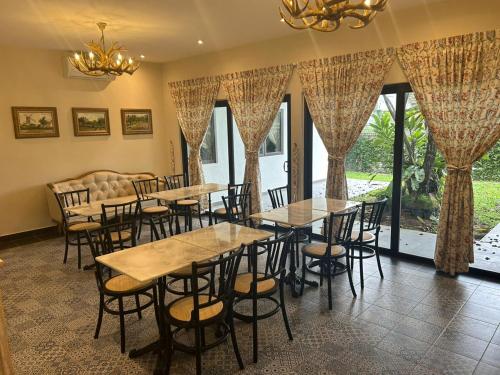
201	310
237	208
366	239
151	215
263	282
183	205
74	227
236	189
337	247
124	216
114	287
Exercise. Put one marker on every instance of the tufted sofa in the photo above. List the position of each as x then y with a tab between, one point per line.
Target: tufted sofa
103	184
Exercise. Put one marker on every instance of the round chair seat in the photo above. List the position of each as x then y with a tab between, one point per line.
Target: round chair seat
125	235
244	281
182	308
187	202
319	250
124	284
85	225
155	210
367	236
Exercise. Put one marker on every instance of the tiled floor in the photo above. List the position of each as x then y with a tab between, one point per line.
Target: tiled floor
413	322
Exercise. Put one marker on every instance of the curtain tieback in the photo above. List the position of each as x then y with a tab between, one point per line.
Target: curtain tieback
463	168
335	158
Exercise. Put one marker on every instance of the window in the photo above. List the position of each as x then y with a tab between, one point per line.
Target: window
209	147
273	144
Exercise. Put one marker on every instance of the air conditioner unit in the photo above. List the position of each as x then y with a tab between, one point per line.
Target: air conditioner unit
71	72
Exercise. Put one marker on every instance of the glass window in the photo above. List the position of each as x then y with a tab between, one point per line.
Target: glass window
273	144
209	147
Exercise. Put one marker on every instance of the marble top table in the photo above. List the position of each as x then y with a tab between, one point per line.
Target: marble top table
94	208
325	204
294	216
155	259
188	192
223	237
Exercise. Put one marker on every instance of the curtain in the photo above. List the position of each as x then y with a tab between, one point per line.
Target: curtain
456	83
255	97
194	102
341	93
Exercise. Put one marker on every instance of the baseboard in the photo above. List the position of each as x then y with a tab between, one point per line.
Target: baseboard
41	233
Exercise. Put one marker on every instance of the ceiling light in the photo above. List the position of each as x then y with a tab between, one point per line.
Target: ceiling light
100	61
142	56
327	15
200	42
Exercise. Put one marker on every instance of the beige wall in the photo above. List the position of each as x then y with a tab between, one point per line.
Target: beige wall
425	21
35	78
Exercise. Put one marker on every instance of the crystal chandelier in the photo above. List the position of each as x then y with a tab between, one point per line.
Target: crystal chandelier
327	15
98	61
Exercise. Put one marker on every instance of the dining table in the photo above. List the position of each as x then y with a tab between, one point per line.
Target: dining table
298	215
156	260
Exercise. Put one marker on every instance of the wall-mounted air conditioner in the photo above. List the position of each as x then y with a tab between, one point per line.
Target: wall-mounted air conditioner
71	72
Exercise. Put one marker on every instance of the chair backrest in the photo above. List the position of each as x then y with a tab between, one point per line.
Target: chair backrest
70	199
221	277
147	186
100	243
340	228
124	216
279	196
275	252
371	215
176	181
237	207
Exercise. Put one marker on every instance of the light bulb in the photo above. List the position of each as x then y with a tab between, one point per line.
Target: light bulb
117	62
77	56
142	56
120	56
130	61
91	55
200	42
282	20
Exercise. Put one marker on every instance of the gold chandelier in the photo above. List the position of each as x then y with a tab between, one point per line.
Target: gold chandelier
98	62
327	15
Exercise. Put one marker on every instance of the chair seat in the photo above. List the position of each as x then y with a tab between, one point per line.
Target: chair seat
187	202
187	271
319	249
124	284
155	210
244	280
221	211
367	236
182	308
84	225
124	234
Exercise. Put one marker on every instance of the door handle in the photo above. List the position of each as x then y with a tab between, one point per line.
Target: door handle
285	166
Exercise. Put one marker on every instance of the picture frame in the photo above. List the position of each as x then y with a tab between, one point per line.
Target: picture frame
90	121
35	122
136	121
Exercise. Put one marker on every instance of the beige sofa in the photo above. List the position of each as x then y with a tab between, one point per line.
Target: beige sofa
103	184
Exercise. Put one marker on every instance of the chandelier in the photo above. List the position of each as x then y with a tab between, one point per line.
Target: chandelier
327	15
98	61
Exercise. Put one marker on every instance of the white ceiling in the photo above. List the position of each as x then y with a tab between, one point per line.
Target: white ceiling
162	30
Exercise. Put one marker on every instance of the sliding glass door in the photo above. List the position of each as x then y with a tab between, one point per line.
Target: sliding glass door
223	152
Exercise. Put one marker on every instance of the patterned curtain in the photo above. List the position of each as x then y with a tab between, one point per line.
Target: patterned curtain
194	102
456	83
341	93
255	97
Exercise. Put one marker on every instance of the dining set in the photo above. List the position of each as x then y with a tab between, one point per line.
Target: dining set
207	273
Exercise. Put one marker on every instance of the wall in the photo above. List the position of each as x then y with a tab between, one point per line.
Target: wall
424	20
35	78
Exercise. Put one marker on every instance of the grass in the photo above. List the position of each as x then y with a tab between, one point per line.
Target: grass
369	176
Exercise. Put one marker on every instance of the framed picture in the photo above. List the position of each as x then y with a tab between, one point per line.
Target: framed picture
90	121
35	122
137	121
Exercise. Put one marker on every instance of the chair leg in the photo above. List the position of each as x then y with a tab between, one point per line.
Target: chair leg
303	274
99	318
162	227
329	277
378	259
349	274
254	330
283	311
197	337
156	306
199	215
122	325
233	339
66	246
138	305
140	228
79	246
361	266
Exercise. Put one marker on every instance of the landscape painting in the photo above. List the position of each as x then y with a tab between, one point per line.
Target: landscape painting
137	121
35	122
91	121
